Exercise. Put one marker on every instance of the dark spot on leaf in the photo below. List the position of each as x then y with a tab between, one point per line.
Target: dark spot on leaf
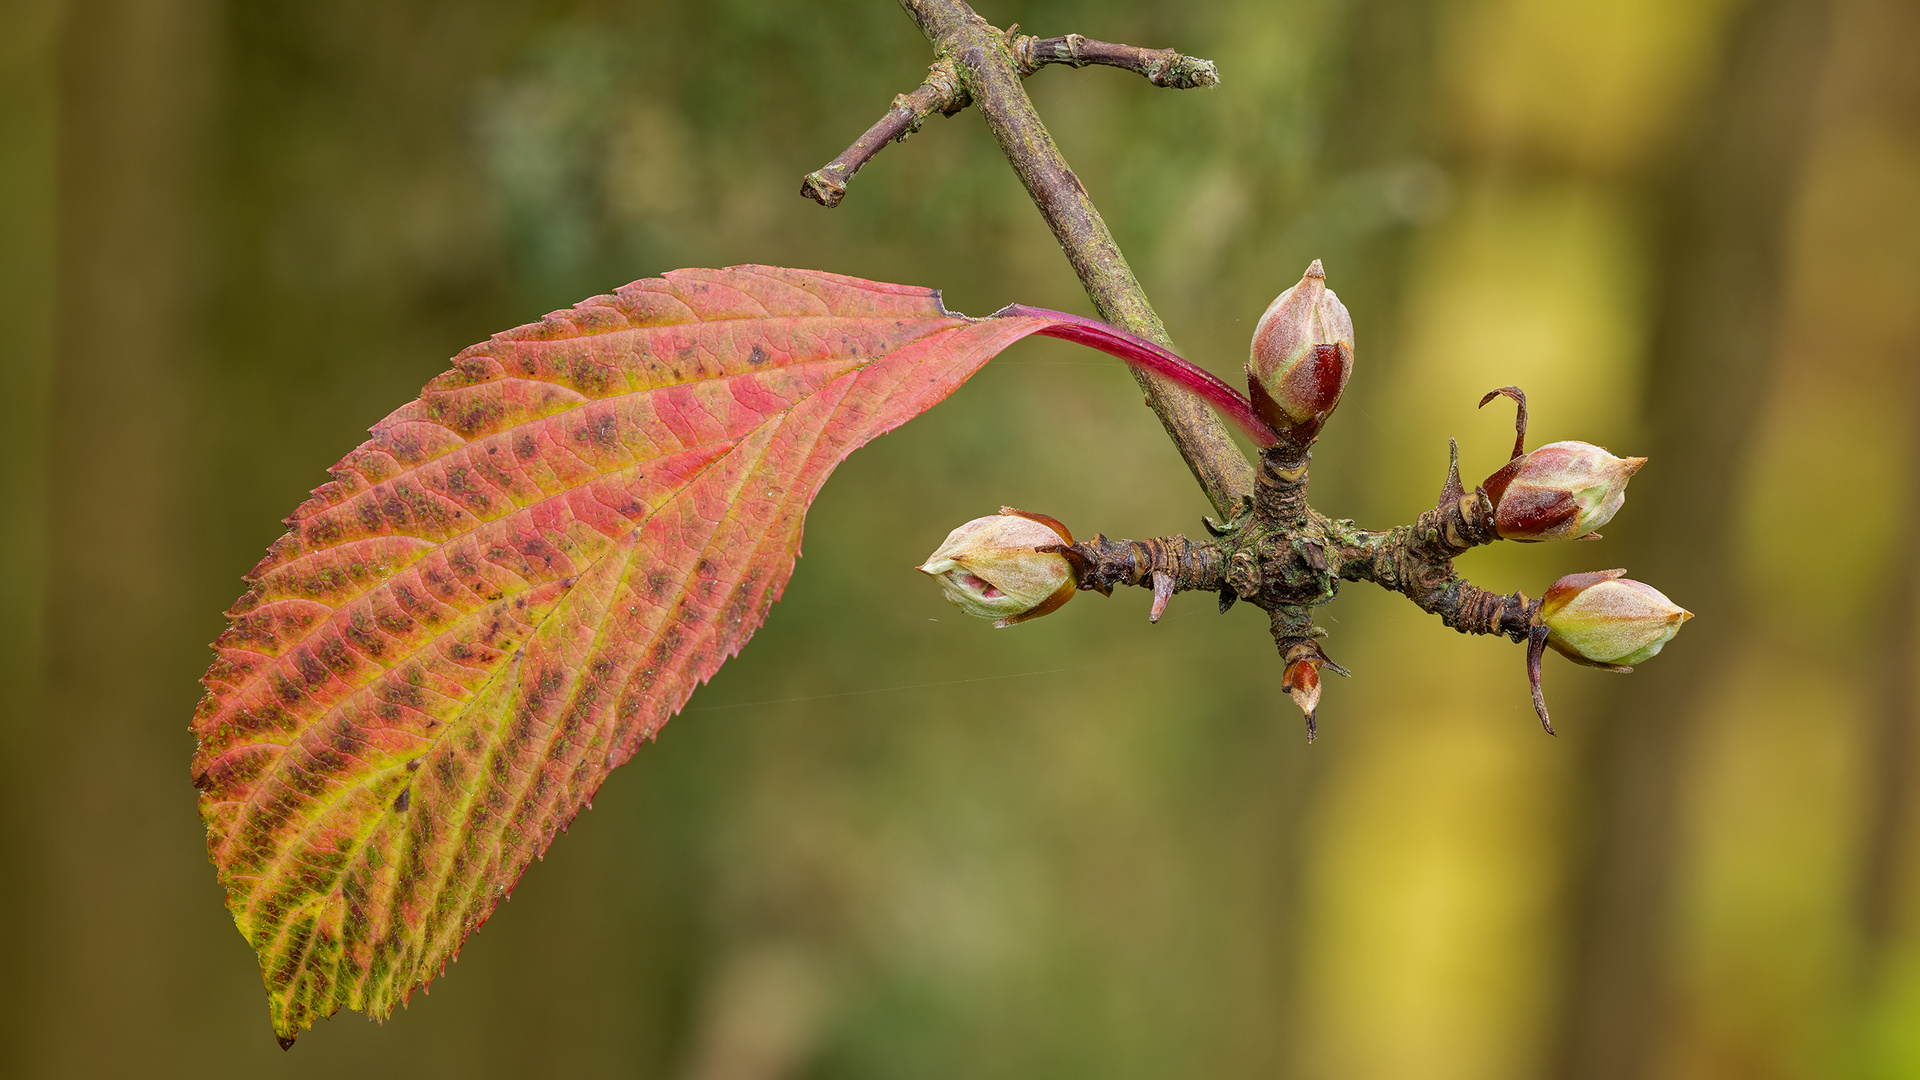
408	694
333	652
324	581
310	667
344	742
602	431
481	414
410	602
321	531
406	448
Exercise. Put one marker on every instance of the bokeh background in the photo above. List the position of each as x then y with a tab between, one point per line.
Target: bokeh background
889	841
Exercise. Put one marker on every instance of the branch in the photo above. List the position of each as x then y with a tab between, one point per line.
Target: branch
990	76
1288	559
941	93
1161	67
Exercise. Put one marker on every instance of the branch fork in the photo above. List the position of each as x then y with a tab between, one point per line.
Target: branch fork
944	92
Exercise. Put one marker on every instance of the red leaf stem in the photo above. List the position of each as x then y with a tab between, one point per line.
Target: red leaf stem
1139	352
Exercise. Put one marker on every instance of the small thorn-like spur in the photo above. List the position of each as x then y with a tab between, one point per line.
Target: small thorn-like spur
1536	648
1451	492
1162	592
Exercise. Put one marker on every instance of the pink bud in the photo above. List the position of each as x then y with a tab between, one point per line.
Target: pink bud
1561	491
1303	684
989	568
1302	355
1602	619
1304	659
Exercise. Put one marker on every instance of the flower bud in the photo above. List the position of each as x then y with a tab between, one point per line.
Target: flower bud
1602	619
1303	685
988	567
1302	355
1561	491
1304	659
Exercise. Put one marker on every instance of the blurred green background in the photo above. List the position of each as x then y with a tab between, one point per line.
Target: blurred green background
889	841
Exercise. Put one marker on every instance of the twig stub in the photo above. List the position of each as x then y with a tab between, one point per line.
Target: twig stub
1161	67
942	92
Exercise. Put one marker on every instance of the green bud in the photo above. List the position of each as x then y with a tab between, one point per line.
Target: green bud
1301	358
1602	619
988	567
1561	491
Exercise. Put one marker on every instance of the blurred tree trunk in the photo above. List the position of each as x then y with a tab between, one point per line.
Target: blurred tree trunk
1888	843
27	177
1890	85
1724	215
110	817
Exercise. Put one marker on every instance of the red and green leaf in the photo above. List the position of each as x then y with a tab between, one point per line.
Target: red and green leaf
515	582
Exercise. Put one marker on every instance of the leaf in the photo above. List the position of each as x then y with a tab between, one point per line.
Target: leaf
514	583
